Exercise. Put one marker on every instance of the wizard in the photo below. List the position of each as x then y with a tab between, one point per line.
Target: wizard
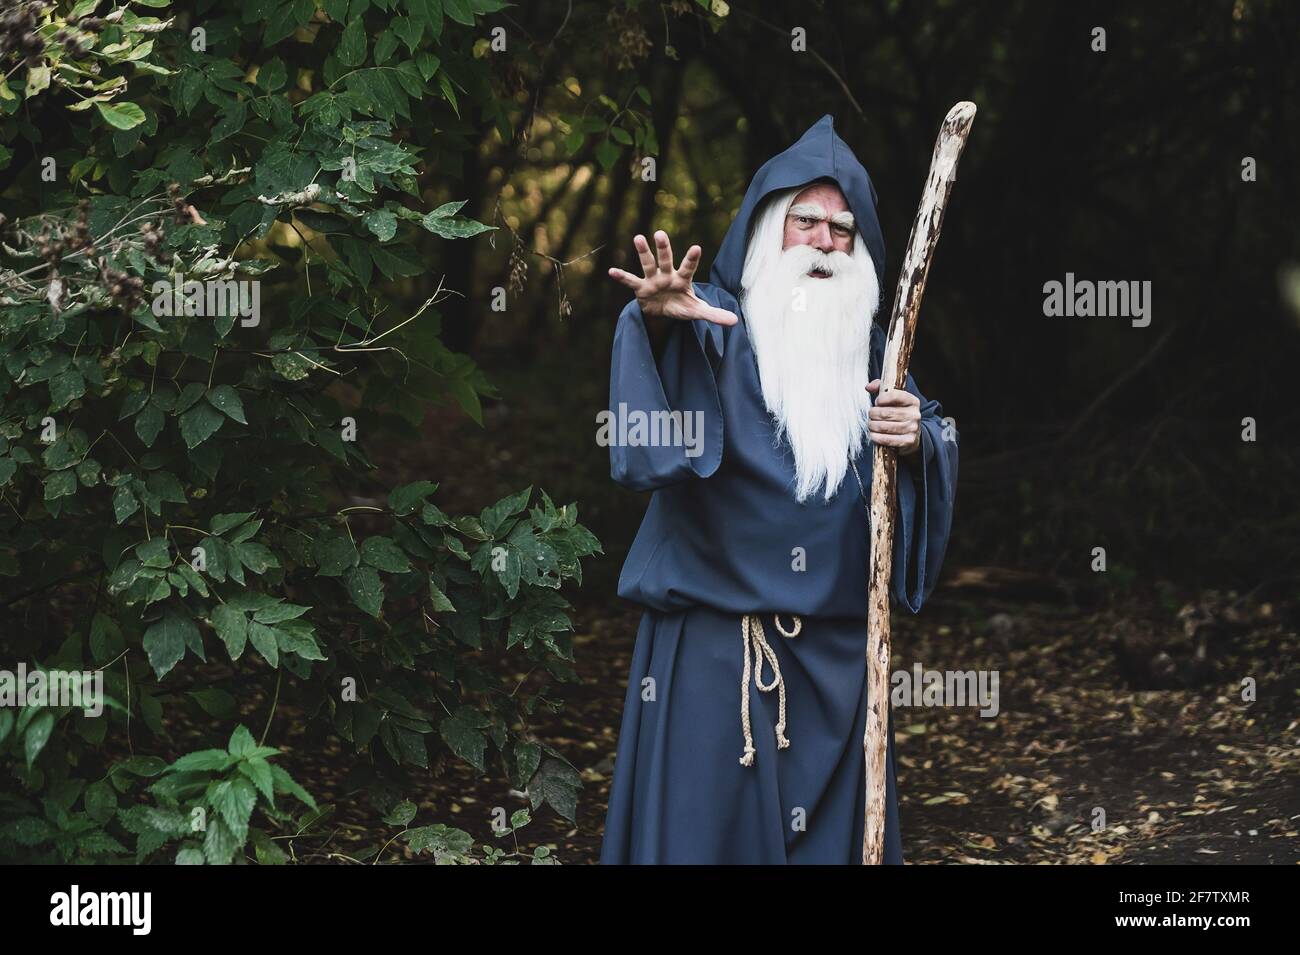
741	738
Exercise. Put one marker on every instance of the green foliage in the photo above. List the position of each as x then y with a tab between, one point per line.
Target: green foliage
201	334
450	846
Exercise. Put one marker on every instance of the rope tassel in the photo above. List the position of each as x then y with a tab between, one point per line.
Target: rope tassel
757	648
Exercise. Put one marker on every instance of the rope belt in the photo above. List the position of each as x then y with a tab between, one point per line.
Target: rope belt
756	647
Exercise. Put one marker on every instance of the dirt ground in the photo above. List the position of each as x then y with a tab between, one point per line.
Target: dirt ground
1182	775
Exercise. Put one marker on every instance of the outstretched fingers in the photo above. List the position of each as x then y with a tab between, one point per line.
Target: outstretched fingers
625	278
648	267
690	262
665	250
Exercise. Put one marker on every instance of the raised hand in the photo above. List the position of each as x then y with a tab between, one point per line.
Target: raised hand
668	291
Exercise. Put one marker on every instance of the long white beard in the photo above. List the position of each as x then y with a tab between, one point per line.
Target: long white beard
812	340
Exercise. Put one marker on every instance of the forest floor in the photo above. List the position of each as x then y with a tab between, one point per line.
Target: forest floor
1076	767
1181	775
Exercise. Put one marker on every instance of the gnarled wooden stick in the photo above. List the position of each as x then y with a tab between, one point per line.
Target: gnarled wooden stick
884	477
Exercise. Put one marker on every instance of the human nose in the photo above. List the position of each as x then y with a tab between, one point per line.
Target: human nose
822	238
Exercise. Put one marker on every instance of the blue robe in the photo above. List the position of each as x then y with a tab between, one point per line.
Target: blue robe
719	541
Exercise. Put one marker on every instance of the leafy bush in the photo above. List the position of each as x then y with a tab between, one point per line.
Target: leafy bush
217	214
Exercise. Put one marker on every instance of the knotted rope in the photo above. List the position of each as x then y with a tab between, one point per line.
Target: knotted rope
755	642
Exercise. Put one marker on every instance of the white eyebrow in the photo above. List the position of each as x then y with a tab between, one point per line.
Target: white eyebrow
814	210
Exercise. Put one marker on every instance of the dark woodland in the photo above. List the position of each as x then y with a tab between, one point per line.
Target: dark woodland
1172	157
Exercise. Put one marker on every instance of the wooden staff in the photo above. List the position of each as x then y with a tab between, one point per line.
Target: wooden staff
893	374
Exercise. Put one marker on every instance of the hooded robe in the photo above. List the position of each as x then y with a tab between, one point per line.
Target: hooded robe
724	537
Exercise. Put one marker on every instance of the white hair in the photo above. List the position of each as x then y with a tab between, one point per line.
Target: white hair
811	339
767	233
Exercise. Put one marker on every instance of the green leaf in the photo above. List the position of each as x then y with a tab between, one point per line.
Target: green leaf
351	50
462	733
334	554
121	115
427	64
60	484
450	228
241	742
396	261
259	772
510	570
459	10
200	423
527	757
441	602
493	517
66	388
287	18
166	487
230	121
298	637
366	589
243	532
124	503
284	784
38	80
216	702
139	766
148	424
232	627
382	553
204	760
189	396
101	801
401	814
106	640
255	557
234	800
606	154
264	642
220	844
226	400
88	472
408	498
279	612
382	223
556	783
271	75
154	553
37	735
165	641
291	366
224	522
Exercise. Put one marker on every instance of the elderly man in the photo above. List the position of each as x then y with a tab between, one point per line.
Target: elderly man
742	729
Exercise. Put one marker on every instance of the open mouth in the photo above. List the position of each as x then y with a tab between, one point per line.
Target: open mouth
818	272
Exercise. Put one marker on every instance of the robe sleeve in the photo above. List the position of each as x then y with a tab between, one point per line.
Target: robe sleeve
927	484
685	380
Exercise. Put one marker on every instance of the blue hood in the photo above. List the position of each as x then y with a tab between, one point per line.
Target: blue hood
819	154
